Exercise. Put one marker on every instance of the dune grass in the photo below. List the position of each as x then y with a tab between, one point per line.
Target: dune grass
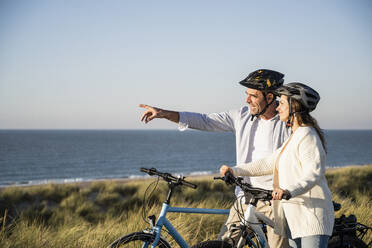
72	215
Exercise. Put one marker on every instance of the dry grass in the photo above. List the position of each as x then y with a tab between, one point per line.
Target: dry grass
95	215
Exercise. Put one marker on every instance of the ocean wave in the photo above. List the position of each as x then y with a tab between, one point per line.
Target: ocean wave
34	157
138	177
81	179
201	173
108	177
44	181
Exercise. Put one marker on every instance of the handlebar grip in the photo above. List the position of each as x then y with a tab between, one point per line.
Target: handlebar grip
191	185
151	171
167	177
229	178
286	196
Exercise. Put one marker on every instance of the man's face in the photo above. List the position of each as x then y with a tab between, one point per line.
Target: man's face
255	100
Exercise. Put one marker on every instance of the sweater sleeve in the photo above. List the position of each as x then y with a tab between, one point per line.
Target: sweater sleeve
312	162
260	167
208	122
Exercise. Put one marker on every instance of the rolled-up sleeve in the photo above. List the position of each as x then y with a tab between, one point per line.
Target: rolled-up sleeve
222	122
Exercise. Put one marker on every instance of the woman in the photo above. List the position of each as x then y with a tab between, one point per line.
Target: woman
298	167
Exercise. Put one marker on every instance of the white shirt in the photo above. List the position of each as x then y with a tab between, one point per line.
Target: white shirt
239	122
262	146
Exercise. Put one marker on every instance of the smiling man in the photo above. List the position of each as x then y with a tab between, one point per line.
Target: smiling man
258	132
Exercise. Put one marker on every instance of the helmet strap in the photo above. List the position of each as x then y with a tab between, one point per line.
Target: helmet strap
265	108
290	121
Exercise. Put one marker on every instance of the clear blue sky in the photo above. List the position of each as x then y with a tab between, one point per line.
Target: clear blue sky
88	64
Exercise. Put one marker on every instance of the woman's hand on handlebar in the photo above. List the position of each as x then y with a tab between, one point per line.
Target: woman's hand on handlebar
278	193
224	169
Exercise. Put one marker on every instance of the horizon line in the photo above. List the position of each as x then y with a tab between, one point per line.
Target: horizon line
144	129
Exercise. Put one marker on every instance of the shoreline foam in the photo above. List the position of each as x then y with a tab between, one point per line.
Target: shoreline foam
131	178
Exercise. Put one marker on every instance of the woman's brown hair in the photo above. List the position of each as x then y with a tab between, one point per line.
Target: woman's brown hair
305	119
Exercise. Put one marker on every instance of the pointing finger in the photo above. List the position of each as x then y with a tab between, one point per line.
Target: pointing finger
143	105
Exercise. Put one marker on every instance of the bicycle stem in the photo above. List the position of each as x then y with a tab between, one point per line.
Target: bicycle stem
171	186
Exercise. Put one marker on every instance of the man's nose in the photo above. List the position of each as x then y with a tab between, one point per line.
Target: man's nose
248	100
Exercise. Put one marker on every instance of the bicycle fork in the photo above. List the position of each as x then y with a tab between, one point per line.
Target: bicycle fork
251	220
163	222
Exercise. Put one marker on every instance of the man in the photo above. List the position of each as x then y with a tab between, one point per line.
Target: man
258	131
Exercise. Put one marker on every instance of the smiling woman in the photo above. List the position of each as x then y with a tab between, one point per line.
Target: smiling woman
298	169
296	102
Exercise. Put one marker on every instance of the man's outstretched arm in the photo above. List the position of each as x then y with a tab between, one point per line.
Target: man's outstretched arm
153	112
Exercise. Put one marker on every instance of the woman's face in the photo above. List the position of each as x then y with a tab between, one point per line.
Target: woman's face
283	108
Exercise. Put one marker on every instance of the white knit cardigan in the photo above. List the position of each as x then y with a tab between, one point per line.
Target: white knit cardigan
301	170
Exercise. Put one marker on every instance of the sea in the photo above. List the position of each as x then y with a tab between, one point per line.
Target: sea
29	157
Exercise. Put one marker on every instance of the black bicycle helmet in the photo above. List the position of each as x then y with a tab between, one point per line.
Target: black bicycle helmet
306	95
263	80
266	81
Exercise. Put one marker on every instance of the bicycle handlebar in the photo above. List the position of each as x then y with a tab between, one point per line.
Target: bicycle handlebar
258	193
168	177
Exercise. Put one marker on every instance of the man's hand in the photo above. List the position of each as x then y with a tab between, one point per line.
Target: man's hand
153	112
224	169
150	113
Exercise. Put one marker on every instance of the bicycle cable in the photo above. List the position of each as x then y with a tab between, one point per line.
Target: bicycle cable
146	204
144	199
240	211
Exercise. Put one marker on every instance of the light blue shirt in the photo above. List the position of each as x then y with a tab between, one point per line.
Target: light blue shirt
239	122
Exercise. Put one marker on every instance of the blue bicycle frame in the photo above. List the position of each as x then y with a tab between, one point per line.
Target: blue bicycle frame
250	218
163	221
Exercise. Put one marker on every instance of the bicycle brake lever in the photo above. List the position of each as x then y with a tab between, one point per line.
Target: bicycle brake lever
229	178
152	171
152	219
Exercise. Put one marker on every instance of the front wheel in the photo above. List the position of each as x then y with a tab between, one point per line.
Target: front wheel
213	244
138	240
347	242
250	241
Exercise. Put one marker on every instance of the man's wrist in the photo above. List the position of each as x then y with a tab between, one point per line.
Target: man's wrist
170	115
